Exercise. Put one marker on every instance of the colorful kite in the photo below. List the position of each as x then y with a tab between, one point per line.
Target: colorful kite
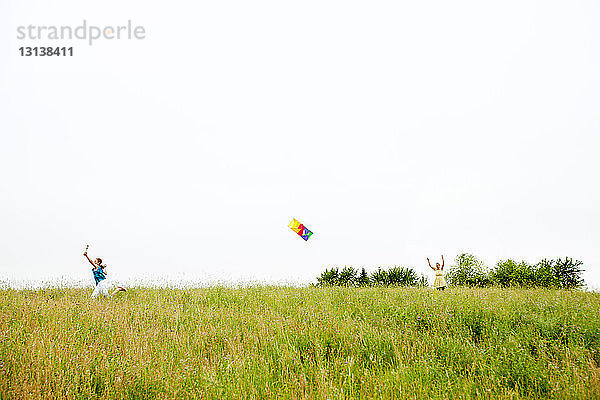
300	229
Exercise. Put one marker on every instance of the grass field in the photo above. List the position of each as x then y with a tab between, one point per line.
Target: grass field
274	342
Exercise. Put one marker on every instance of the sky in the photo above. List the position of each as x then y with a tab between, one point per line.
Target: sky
395	131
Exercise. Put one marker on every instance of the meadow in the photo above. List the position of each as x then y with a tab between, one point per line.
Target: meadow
311	342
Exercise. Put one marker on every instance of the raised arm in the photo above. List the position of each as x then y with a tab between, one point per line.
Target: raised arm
442	261
428	262
86	256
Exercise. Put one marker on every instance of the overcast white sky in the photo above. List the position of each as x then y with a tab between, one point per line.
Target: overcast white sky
394	130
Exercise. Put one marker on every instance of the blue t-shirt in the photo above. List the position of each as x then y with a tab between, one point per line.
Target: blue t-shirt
99	274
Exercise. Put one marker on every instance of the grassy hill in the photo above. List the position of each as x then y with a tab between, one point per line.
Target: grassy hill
274	342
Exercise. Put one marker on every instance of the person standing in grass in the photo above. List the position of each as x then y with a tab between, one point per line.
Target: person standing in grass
440	282
102	284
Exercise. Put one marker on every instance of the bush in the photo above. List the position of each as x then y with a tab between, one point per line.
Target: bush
510	273
544	274
329	277
347	276
401	276
379	277
363	278
564	274
334	277
468	271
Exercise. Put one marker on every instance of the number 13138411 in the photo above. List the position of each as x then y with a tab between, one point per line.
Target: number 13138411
46	51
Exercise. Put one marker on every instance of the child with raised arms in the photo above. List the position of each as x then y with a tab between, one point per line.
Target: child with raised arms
440	281
102	284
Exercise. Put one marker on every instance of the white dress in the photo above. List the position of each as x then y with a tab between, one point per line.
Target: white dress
101	289
439	279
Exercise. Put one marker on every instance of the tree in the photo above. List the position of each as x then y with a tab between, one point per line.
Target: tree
510	273
329	277
363	278
544	274
347	276
564	274
402	276
567	273
379	277
468	271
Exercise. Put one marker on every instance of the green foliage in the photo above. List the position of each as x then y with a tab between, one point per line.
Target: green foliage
347	276
545	274
402	276
564	274
510	273
329	277
379	277
363	278
468	270
559	273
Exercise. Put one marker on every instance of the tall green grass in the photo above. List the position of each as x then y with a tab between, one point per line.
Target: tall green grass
283	342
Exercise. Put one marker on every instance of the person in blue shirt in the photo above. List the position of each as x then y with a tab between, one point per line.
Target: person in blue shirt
102	284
